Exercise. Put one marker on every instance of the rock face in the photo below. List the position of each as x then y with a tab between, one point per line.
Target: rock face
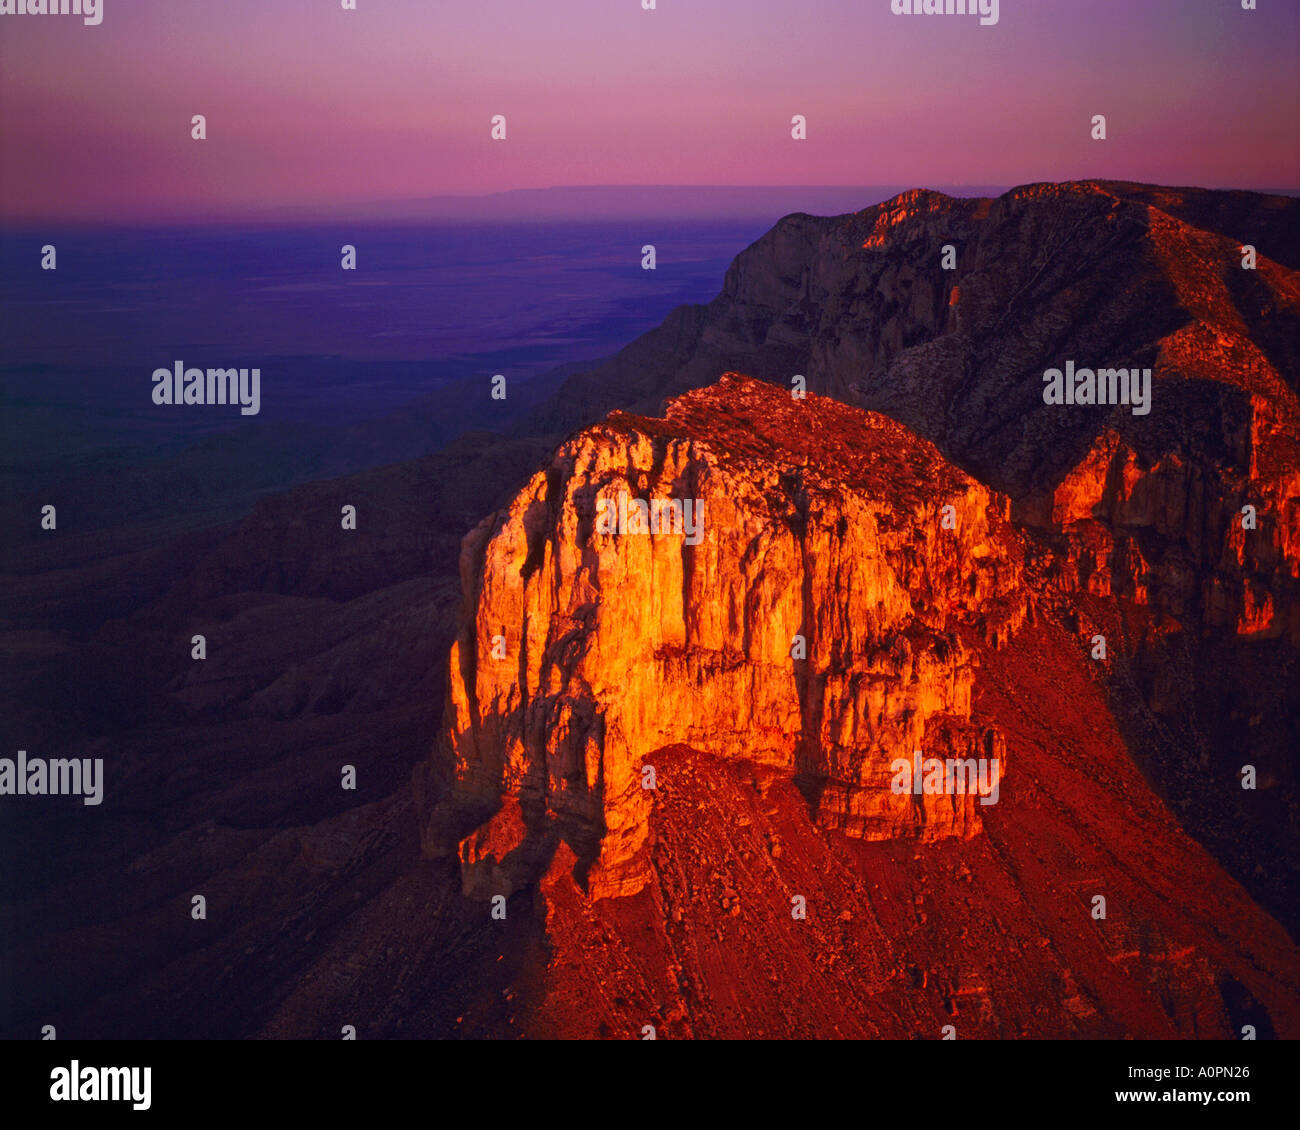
1210	547
820	619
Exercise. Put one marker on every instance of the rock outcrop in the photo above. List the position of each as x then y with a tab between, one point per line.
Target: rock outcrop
822	619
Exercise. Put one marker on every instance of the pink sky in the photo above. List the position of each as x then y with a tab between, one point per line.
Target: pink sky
308	104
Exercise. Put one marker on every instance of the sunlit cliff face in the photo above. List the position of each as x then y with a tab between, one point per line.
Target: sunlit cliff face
823	625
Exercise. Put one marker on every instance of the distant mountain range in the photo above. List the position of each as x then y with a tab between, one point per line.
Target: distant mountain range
630	202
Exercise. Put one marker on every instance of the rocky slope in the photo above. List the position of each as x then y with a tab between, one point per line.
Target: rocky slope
995	935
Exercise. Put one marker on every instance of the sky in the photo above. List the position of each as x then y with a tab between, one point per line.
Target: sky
309	105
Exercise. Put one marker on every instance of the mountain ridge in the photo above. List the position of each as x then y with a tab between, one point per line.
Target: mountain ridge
329	648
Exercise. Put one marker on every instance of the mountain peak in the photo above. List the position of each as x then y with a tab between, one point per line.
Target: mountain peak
823	622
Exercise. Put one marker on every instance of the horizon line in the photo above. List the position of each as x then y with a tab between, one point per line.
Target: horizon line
381	209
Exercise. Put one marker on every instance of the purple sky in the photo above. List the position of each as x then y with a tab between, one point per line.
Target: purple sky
310	105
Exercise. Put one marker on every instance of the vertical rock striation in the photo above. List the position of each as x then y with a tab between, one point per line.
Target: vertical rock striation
825	622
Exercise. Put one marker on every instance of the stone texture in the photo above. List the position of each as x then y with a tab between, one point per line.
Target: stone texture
820	522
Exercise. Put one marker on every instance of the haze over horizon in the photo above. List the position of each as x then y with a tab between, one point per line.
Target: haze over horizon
299	117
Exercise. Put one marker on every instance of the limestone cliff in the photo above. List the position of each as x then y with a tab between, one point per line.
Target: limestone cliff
821	624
